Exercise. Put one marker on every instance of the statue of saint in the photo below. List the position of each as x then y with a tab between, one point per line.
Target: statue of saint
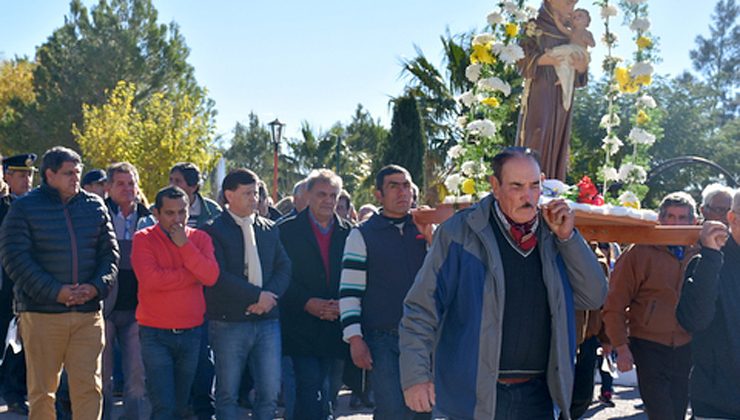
555	62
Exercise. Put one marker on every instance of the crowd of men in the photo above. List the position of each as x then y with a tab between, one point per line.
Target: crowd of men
201	308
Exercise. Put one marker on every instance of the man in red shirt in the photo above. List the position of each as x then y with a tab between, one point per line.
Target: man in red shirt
172	263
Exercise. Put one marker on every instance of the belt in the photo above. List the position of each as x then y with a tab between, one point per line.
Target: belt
514	381
179	330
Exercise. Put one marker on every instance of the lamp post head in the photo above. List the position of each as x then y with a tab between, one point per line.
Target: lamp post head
276	131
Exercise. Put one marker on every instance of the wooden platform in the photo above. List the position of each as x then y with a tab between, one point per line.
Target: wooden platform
596	227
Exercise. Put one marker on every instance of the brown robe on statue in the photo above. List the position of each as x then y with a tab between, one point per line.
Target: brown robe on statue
544	125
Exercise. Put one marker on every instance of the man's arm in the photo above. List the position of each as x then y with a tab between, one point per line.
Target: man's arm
586	276
149	273
229	284
199	258
281	267
15	248
107	257
352	287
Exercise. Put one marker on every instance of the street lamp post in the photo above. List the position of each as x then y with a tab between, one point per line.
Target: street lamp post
276	131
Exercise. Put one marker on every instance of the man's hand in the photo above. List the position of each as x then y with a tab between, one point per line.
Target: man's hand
266	302
713	235
420	397
625	362
560	218
324	309
360	353
177	234
426	229
66	295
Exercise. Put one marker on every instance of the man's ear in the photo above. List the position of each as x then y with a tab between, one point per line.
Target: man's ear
495	185
378	194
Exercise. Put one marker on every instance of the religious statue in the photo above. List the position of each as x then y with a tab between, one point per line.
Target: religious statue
555	62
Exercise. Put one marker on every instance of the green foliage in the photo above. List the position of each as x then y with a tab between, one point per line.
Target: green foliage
164	130
406	143
16	93
83	59
717	58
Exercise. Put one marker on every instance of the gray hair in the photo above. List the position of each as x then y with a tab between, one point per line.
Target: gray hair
680	199
711	190
323	175
300	187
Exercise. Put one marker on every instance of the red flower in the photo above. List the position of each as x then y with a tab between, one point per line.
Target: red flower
588	193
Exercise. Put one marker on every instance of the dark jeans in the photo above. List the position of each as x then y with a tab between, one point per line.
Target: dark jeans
386	376
201	396
311	376
663	377
583	383
170	359
526	401
236	345
13	377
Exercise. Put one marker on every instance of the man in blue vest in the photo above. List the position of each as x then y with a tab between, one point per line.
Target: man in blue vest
381	258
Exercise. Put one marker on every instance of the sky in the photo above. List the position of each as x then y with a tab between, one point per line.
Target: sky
316	60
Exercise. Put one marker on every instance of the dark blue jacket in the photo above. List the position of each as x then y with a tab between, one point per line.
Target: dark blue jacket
303	333
709	308
229	298
45	244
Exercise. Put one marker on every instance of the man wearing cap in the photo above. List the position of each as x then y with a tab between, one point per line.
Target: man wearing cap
94	182
13	367
19	172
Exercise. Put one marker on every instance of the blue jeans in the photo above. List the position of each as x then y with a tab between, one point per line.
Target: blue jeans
121	326
311	375
236	345
385	376
288	380
201	396
526	401
170	359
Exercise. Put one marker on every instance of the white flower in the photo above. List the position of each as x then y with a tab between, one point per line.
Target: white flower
468	168
520	15
455	151
531	12
494	18
493	84
610	173
483	128
611	144
629	199
610	120
462	121
468	98
636	2
632	173
472	72
452	182
608	11
509	6
641	68
510	54
646	101
554	187
640	136
483	39
640	24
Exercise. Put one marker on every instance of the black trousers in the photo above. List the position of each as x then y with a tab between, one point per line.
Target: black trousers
583	380
663	377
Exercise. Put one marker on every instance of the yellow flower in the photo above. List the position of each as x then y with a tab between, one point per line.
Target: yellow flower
512	29
644	42
493	102
644	79
625	82
482	54
468	186
642	118
633	204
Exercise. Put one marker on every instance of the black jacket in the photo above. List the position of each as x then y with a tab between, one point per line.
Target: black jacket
229	298
303	333
709	309
45	244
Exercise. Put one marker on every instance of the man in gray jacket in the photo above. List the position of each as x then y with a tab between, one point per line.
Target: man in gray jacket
488	328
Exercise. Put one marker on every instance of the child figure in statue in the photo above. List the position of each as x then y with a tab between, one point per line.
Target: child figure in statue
580	40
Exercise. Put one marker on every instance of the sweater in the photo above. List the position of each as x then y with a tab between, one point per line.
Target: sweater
171	278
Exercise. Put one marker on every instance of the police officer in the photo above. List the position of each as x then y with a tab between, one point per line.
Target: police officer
19	172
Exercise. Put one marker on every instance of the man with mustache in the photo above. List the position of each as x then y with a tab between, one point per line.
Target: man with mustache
488	328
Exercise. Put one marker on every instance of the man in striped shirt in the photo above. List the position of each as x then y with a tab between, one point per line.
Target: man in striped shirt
381	258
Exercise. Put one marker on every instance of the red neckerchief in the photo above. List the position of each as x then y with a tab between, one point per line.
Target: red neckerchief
523	234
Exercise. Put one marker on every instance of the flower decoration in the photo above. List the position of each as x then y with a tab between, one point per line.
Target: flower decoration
468	186
512	29
608	11
644	42
642	117
640	136
472	72
641	25
588	193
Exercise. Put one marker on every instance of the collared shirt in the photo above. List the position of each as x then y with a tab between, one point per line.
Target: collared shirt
194	211
125	226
